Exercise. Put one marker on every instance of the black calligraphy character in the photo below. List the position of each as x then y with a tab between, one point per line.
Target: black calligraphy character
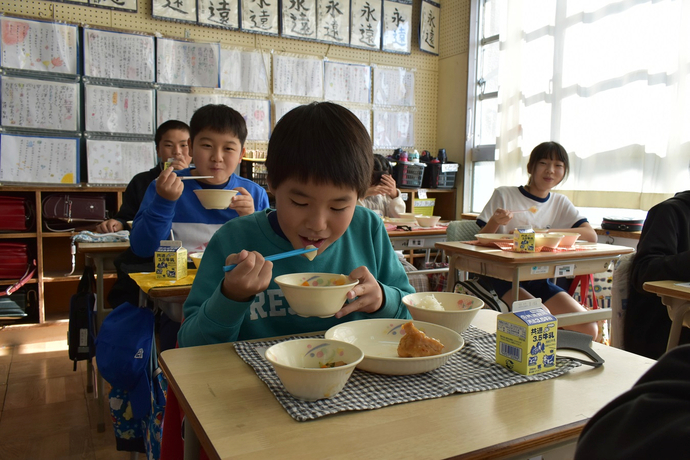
332	8
368	11
300	26
431	27
400	32
366	35
175	5
262	4
223	11
297	5
397	18
333	30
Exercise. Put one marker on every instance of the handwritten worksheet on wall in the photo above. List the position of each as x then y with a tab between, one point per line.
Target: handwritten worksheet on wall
347	82
243	71
393	86
30	103
393	129
117	162
364	116
283	107
120	56
188	63
256	113
119	110
38	46
297	76
181	106
35	159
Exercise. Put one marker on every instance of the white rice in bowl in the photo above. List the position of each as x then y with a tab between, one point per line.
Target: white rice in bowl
430	303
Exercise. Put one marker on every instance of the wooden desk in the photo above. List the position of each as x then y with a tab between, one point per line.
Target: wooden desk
233	414
422	238
100	253
516	267
677	301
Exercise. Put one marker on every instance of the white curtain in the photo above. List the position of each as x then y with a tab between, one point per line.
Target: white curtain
609	80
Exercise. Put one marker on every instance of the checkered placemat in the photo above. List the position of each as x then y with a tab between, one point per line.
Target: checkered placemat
509	247
471	369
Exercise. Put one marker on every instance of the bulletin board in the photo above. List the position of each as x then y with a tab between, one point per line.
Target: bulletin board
265	46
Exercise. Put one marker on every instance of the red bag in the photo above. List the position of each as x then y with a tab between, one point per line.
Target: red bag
17	214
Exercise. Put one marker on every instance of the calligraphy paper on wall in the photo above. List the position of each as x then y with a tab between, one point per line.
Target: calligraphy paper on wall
430	22
333	21
117	162
299	19
259	16
119	110
243	71
393	86
393	129
38	46
175	10
365	25
219	13
297	76
41	160
188	63
125	5
347	82
397	26
30	103
119	56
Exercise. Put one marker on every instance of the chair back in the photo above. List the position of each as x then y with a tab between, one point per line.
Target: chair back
462	230
619	297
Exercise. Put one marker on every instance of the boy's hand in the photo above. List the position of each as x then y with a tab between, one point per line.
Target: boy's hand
243	202
109	226
368	293
169	185
251	276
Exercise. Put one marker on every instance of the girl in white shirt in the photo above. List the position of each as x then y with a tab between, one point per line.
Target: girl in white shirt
548	166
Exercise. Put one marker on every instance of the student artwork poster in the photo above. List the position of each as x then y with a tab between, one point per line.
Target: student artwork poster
188	63
393	86
243	71
256	113
333	22
365	29
347	82
299	19
119	110
178	10
397	26
297	76
40	104
259	17
119	56
393	129
39	46
41	160
224	13
181	106
116	162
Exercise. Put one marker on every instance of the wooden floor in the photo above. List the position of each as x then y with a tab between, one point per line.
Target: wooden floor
45	411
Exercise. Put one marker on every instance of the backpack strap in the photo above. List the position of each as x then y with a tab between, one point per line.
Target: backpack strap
28	274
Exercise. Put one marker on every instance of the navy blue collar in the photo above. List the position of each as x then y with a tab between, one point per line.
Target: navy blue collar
273	220
532	197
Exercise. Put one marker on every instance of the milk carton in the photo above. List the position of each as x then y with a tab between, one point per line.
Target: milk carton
526	338
524	239
171	260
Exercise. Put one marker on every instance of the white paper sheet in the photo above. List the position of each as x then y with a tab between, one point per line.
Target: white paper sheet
176	10
259	16
393	129
37	159
117	162
365	26
30	103
333	22
180	106
188	63
257	115
397	26
294	76
119	56
243	71
347	82
119	110
430	23
393	87
299	19
39	46
219	13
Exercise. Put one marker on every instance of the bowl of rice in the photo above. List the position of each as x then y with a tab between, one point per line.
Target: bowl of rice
454	311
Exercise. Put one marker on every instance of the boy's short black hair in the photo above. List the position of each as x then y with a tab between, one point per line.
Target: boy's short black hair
218	118
549	151
323	143
381	167
169	126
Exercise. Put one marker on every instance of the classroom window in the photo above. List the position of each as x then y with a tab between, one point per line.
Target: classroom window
609	80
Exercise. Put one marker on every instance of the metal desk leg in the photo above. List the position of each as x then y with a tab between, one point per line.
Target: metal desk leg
452	273
516	285
677	311
100	316
191	442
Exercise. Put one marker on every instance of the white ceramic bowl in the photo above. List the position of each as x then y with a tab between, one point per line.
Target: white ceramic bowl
215	198
379	339
428	221
315	294
299	362
488	239
549	240
568	240
458	309
196	258
408	216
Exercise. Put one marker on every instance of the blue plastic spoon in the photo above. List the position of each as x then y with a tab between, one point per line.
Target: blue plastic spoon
282	255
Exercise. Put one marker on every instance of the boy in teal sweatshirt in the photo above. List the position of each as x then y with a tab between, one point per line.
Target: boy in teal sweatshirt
319	164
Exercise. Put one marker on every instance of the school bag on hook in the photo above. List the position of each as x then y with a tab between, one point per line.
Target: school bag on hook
81	328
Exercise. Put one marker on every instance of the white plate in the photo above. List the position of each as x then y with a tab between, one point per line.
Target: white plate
585	243
488	239
379	339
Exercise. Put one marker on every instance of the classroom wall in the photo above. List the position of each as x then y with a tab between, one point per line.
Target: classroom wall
440	81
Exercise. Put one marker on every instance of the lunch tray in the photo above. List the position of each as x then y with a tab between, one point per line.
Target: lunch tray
471	369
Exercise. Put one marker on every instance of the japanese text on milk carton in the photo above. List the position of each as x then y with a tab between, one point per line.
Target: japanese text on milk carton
171	260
